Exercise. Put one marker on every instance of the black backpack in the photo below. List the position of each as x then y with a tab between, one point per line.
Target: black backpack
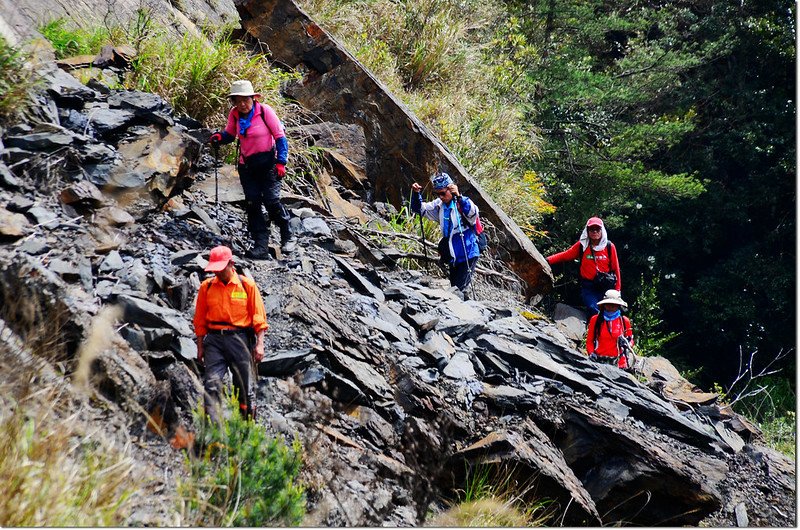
599	322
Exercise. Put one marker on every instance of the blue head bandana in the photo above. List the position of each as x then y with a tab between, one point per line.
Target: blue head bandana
441	181
244	123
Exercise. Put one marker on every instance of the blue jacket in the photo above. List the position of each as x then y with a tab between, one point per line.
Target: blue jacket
453	225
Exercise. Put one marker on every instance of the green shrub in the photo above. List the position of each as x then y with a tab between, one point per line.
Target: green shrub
194	74
69	41
15	81
647	322
242	477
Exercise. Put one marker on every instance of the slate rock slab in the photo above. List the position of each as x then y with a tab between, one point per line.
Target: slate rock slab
108	122
285	362
148	314
7	178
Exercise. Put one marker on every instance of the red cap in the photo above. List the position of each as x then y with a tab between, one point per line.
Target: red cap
594	221
219	258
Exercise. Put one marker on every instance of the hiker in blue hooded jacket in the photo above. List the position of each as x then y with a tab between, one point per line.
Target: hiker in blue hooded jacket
458	231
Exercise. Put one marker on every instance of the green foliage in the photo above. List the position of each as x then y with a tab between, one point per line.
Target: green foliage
69	40
780	433
195	77
647	321
16	80
675	123
242	476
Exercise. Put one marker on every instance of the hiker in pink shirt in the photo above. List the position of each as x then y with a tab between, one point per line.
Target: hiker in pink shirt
263	152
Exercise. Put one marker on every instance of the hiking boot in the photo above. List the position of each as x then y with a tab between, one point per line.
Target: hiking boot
288	245
258	252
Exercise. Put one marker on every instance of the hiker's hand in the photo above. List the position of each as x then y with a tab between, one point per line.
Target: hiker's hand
200	350
215	139
281	170
453	190
258	352
593	357
416	188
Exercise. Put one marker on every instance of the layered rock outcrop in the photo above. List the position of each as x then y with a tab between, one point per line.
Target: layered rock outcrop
394	384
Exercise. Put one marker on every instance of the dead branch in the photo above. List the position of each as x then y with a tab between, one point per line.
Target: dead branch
747	375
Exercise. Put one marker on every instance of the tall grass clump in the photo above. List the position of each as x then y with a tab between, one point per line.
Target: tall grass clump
194	73
774	411
69	40
16	80
52	475
241	476
491	497
456	64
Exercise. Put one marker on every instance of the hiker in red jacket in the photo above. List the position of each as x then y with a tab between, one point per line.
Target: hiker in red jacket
599	267
608	331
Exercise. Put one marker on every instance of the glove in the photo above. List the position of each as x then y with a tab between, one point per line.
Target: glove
216	138
593	357
281	170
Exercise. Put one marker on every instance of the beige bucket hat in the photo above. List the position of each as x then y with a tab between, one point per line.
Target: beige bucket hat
613	296
242	87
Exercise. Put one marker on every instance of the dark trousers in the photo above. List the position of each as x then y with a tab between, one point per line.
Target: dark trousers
461	274
221	352
261	185
591	295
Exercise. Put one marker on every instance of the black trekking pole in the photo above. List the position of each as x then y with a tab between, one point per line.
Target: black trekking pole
422	239
215	148
627	350
464	246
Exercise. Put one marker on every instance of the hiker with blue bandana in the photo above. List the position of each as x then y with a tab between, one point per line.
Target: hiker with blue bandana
456	216
609	339
263	151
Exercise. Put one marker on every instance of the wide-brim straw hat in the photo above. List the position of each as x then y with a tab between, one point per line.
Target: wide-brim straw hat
242	87
613	296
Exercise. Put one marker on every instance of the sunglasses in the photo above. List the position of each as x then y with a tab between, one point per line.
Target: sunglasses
594	229
441	193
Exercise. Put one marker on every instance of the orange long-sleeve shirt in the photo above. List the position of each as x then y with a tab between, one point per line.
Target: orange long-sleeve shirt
237	304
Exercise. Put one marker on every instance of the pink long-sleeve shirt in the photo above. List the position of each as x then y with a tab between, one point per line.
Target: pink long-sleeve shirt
261	134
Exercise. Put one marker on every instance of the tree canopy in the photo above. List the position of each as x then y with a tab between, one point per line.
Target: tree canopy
674	121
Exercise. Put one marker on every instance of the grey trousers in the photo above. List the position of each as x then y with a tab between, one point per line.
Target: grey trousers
221	352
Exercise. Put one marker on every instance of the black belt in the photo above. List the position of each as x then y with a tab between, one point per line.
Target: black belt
226	331
606	359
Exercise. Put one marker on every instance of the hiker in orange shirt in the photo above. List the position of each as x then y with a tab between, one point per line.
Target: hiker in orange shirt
230	322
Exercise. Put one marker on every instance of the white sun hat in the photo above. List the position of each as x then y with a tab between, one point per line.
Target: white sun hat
242	87
613	296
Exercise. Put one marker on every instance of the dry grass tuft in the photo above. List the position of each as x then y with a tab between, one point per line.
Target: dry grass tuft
487	512
440	58
51	474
